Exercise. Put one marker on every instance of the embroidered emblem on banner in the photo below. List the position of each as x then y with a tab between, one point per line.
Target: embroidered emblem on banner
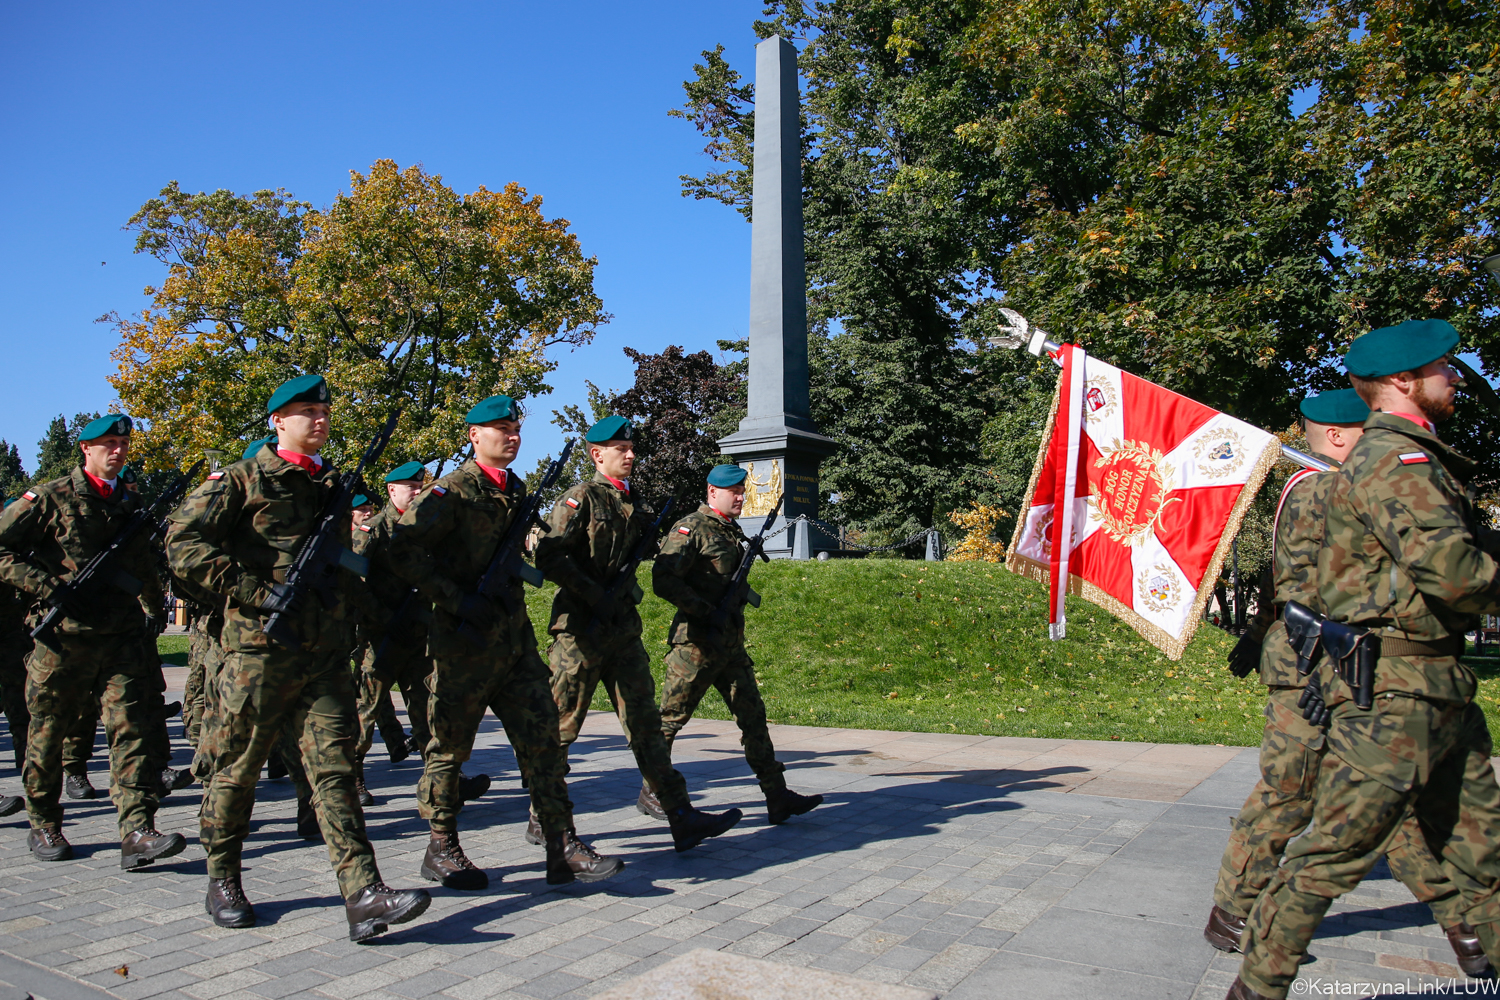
1158	588
1133	491
1100	399
1220	454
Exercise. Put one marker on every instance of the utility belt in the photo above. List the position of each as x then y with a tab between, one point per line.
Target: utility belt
1354	650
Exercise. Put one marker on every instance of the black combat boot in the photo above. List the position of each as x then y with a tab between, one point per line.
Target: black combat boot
783	805
1239	991
365	798
569	858
1225	929
77	786
471	787
141	847
413	746
374	908
173	779
49	844
400	749
11	804
307	821
691	827
227	904
446	863
647	804
275	766
1466	948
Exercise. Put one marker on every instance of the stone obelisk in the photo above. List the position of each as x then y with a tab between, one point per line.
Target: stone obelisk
777	441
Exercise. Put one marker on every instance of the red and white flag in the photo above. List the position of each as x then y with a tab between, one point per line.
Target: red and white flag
1148	487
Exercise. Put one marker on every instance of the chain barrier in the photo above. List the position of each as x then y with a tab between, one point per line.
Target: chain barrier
920	536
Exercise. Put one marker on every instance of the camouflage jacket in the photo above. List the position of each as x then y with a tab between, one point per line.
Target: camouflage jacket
13	607
444	543
240	532
1405	554
1293	574
373	541
693	570
595	529
53	530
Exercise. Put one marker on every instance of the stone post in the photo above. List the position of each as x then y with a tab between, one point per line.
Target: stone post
777	442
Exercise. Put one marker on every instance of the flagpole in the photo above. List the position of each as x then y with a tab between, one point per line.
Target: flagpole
1021	333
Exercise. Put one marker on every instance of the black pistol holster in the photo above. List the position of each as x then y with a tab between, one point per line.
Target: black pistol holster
1354	652
1304	630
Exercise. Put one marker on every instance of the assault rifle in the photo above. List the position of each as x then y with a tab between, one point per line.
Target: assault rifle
626	577
507	563
101	570
739	592
324	551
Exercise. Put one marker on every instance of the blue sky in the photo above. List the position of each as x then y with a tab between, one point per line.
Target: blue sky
108	102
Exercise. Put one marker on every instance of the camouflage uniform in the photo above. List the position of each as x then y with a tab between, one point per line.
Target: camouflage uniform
15	644
595	529
1291	751
403	651
1404	556
442	545
46	537
193	691
235	536
692	571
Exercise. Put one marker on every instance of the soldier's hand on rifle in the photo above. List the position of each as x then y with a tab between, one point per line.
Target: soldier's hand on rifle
71	601
279	599
1244	657
1314	709
477	610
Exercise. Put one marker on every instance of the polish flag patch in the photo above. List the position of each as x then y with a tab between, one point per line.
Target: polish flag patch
364	529
29	495
215	475
440	490
684	531
1414	458
571	502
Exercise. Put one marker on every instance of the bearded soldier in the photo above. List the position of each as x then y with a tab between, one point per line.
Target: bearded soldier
1281	804
96	654
698	558
237	536
1404	569
484	656
596	527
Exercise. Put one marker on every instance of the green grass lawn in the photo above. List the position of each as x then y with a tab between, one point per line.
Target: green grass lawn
962	647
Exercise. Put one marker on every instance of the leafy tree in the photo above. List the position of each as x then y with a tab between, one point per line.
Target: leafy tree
402	292
58	451
574	423
13	478
678	403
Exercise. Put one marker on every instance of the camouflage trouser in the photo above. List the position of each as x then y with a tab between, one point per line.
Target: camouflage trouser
13	650
1281	806
409	666
82	738
206	750
1355	813
691	671
516	690
192	693
578	666
64	671
259	694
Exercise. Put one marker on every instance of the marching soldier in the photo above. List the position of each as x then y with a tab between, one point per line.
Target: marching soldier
14	645
596	527
698	558
1281	804
1404	569
484	657
96	653
396	652
236	536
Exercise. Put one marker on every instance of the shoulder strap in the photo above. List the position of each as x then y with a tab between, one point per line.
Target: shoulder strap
1286	491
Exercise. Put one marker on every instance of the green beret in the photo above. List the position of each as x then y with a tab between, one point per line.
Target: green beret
127	475
359	500
1341	406
726	475
110	423
253	448
494	408
401	473
1404	347
609	429
302	389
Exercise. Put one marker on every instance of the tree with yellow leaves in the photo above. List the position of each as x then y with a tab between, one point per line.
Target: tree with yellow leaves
402	292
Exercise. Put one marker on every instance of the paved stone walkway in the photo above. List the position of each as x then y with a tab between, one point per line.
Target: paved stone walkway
970	866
